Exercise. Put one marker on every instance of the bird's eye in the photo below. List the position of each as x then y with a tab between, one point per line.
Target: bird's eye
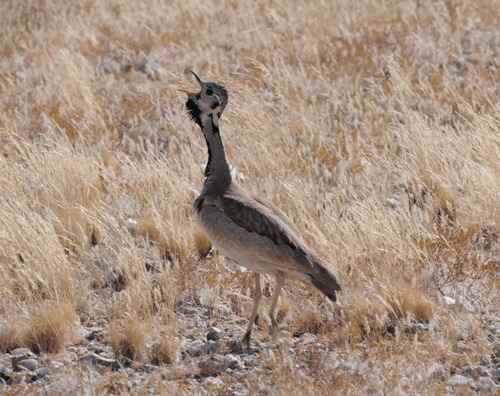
210	91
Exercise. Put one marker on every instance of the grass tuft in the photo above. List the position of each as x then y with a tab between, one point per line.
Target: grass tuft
11	335
127	338
165	350
308	321
49	326
201	243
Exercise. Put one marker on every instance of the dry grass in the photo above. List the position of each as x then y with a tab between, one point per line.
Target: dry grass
309	322
10	336
201	243
46	328
127	338
372	124
165	350
49	327
395	309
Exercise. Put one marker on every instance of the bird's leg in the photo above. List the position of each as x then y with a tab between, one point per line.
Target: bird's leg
256	300
280	282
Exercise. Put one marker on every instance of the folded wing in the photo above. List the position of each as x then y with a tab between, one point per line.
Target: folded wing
261	218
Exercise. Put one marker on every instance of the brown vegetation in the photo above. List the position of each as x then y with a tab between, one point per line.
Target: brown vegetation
372	124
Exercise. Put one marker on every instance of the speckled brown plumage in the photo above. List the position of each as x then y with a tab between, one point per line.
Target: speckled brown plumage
245	229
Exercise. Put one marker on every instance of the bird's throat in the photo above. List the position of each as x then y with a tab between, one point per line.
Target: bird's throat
217	173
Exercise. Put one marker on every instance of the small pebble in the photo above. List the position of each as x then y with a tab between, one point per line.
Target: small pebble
5	374
19	354
214	334
422	327
56	365
232	361
22	352
392	203
214	381
211	347
26	364
40	373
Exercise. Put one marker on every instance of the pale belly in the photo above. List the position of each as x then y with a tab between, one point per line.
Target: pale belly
235	248
250	250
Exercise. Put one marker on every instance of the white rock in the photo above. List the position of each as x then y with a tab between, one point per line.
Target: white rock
458	379
232	361
214	381
392	203
131	225
56	365
40	373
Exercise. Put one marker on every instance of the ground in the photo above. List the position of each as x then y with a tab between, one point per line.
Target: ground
373	125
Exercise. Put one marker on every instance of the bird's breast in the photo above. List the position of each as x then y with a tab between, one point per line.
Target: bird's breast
222	232
248	249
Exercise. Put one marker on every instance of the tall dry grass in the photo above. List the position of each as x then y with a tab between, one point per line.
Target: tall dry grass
372	124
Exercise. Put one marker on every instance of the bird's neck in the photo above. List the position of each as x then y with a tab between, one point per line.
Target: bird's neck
217	173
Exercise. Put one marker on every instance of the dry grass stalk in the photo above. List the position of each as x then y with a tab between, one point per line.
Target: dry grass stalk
165	350
49	327
383	137
127	338
201	243
11	335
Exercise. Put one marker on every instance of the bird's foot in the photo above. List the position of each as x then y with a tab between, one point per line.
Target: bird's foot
274	330
245	341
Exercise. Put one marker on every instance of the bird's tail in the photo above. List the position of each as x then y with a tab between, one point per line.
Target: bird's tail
325	281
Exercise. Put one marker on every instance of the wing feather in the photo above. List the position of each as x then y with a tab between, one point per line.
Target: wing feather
255	216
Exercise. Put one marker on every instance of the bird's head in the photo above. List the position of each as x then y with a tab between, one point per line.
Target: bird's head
208	104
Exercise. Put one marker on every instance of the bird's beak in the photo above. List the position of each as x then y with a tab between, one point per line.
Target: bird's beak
197	78
189	93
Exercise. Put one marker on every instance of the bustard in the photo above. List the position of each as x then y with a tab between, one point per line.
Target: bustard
244	228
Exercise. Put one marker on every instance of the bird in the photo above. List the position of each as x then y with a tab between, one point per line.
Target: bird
247	230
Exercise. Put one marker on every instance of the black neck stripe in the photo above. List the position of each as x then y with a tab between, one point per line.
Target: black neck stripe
215	128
